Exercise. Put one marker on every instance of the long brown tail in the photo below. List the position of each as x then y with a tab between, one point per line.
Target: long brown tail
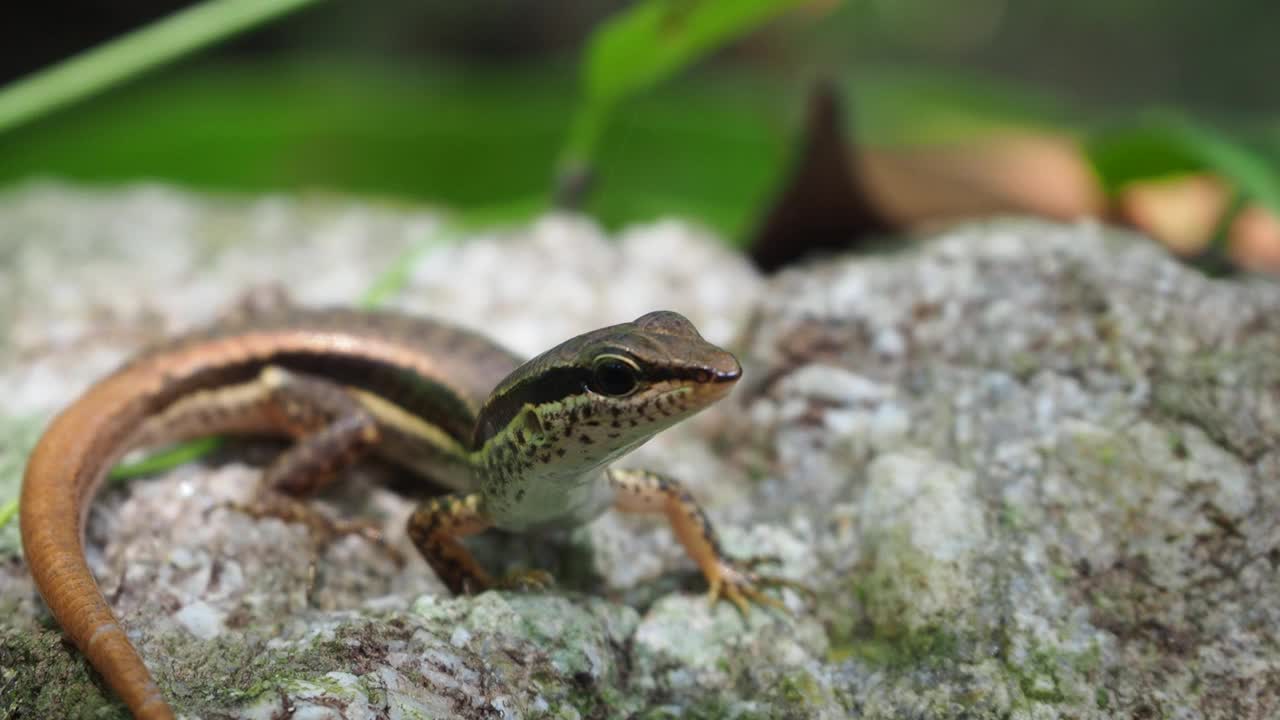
66	468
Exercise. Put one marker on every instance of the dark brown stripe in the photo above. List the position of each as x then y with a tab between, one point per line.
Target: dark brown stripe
432	401
554	383
433	370
549	384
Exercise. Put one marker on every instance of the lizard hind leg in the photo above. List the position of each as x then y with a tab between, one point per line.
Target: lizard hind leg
332	431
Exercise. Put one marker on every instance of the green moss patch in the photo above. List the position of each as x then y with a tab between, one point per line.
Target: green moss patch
41	676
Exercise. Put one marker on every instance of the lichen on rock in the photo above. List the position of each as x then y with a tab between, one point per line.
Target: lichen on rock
924	528
1080	503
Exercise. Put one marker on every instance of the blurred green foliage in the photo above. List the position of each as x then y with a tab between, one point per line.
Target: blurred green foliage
711	144
96	69
172	457
648	43
468	139
310	124
1166	145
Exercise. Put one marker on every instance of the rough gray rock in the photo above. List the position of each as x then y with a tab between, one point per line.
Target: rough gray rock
1051	454
1028	469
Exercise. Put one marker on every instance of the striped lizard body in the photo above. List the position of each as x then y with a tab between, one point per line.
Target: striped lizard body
524	446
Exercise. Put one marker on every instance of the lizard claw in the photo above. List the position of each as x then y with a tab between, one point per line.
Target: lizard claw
735	582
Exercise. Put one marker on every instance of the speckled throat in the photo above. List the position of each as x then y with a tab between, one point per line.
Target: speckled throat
547	431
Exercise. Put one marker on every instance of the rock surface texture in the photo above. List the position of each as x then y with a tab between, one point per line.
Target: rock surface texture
1031	471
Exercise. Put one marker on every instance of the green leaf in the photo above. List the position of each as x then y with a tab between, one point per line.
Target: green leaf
7	511
650	42
171	458
656	39
162	41
1168	145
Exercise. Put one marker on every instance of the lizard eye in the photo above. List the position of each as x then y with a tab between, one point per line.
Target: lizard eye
614	376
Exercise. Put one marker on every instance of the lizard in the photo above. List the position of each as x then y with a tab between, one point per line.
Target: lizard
523	446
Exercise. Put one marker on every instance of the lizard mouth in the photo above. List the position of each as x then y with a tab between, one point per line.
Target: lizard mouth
702	393
713	391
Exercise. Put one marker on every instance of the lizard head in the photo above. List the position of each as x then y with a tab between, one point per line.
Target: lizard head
600	395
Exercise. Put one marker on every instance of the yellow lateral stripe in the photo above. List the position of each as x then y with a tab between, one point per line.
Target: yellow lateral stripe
395	416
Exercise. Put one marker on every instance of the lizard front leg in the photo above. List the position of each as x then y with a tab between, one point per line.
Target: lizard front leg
641	491
436	529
